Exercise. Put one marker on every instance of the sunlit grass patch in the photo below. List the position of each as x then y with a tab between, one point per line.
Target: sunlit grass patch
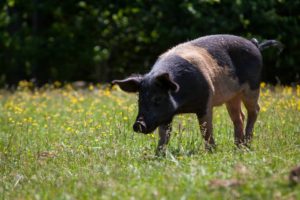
59	142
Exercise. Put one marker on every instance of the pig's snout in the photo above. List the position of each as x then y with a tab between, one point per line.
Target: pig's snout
139	126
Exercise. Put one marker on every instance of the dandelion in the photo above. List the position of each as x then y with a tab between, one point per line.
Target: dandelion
107	92
57	84
91	87
115	88
262	85
68	87
287	90
74	100
23	85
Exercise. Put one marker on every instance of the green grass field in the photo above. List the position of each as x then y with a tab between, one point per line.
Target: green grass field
58	143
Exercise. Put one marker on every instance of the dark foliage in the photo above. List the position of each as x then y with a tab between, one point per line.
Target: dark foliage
101	40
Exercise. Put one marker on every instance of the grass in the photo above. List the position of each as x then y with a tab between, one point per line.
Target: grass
59	143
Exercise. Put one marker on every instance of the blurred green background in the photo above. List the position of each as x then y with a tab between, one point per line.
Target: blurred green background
97	41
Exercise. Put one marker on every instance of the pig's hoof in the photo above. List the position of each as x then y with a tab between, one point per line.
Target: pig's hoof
247	145
242	143
244	147
295	175
247	142
210	148
161	152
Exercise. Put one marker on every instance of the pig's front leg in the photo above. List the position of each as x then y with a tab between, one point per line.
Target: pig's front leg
164	137
206	128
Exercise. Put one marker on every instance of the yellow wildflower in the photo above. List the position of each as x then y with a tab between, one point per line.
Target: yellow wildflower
262	85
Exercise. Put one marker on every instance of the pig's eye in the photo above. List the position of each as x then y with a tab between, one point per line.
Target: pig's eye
157	100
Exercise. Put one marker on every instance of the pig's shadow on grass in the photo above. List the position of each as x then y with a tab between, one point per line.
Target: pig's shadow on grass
175	153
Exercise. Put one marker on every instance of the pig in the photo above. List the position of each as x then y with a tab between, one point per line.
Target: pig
194	77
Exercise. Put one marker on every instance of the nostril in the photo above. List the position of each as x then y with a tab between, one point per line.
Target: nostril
136	127
139	127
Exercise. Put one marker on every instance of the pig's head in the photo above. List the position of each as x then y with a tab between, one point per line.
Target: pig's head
156	104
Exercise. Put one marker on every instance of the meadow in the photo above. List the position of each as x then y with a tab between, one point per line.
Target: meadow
60	143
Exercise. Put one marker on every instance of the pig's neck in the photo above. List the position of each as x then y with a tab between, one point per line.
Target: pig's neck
193	94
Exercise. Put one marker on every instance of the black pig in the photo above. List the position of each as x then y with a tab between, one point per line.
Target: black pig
195	76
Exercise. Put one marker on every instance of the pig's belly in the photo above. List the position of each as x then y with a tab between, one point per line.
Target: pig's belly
224	90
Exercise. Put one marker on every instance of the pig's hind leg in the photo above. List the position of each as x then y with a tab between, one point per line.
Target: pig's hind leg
250	100
237	117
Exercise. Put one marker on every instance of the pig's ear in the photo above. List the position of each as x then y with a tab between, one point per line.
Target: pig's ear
130	84
166	81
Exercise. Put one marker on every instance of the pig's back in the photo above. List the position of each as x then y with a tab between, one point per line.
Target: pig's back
238	54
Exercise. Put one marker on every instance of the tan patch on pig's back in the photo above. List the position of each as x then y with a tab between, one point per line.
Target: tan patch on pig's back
222	84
